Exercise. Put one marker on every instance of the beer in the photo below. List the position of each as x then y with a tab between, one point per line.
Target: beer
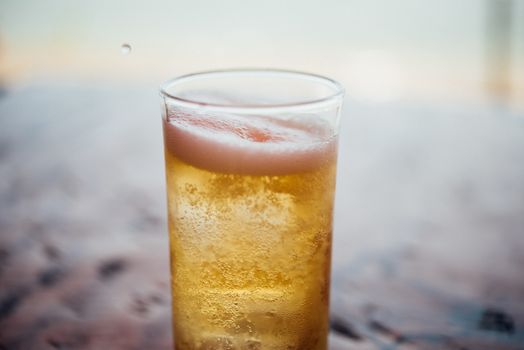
250	202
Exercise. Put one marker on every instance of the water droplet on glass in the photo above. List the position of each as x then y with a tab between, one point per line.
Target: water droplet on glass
125	49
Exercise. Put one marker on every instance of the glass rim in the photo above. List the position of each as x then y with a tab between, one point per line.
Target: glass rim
337	88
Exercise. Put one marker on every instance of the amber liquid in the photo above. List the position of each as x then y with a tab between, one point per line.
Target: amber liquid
250	257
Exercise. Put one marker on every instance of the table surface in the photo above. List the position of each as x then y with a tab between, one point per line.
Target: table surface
429	233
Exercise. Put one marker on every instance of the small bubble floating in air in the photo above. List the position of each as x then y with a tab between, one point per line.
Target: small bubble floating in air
125	49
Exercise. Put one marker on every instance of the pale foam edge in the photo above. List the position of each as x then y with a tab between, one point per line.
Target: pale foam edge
245	157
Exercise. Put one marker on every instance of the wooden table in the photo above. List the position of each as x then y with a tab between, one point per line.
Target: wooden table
429	236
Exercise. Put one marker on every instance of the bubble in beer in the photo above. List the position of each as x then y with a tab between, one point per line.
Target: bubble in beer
125	49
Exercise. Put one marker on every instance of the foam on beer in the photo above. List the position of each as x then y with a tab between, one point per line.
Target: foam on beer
253	145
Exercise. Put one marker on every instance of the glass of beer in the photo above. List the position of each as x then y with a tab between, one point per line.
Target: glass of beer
250	165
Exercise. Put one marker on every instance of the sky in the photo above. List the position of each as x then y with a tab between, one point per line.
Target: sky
379	49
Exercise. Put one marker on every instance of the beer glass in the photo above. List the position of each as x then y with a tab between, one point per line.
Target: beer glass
250	166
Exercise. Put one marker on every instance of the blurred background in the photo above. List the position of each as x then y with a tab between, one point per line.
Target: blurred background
381	50
429	233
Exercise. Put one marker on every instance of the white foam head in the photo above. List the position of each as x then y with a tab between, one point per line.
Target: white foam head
254	145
